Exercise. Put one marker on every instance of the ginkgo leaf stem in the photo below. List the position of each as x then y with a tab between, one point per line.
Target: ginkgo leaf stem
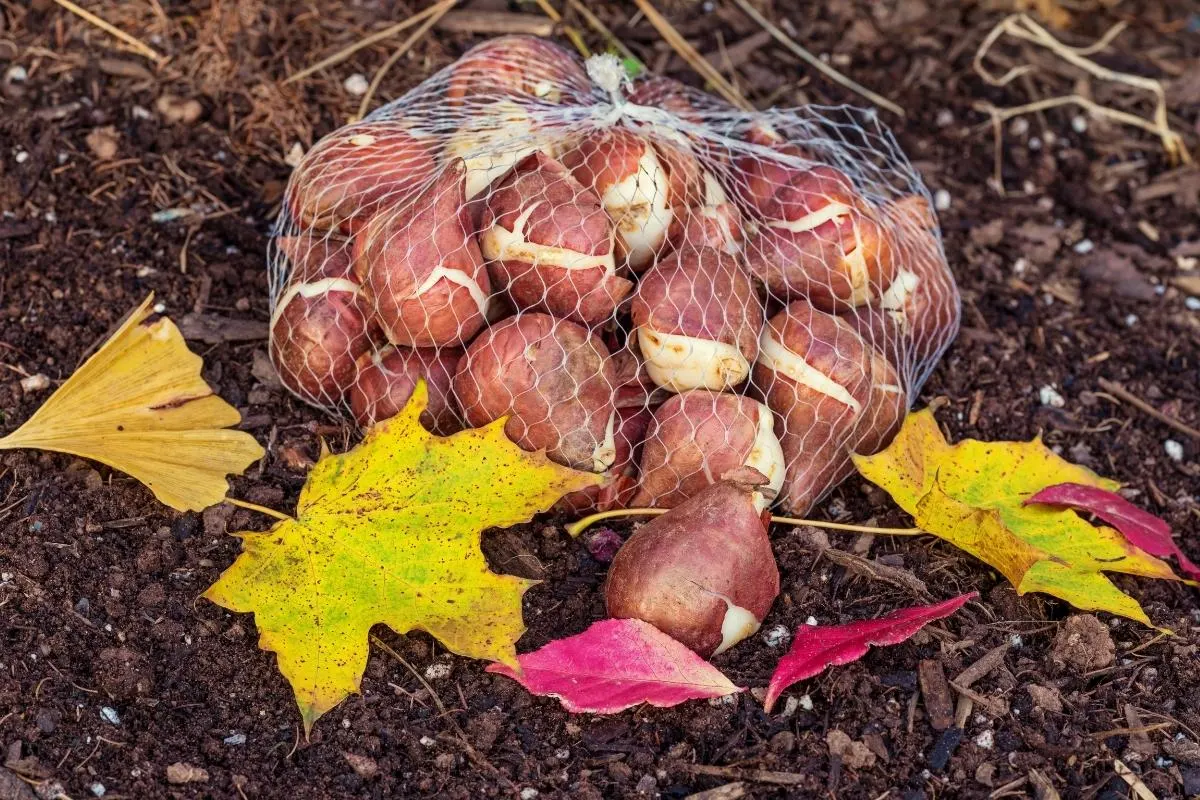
270	512
580	526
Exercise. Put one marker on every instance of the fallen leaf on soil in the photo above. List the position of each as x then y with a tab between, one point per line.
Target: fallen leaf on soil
973	495
139	405
816	647
617	664
389	533
1141	528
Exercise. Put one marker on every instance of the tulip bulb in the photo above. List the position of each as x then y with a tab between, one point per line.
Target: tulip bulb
697	320
703	572
549	244
699	435
552	379
386	379
422	268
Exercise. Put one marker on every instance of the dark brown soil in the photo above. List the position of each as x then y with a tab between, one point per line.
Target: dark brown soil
111	669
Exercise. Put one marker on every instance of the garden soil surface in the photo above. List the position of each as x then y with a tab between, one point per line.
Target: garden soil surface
116	679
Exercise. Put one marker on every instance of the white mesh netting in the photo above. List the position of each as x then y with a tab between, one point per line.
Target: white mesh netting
651	283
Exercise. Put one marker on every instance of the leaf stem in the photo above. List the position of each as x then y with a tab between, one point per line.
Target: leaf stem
580	526
270	512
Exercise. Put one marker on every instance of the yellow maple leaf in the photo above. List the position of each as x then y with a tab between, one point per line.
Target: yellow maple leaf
139	405
389	533
972	495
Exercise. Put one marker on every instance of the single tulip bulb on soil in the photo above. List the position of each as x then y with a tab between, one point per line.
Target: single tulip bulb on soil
814	371
549	244
697	320
703	572
700	435
818	239
552	379
318	331
422	268
352	173
386	379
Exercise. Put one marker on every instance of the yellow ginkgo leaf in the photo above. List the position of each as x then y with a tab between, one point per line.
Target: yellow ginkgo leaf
139	405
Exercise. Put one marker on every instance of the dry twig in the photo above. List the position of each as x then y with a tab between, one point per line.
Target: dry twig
436	14
1121	393
137	45
1024	28
692	57
815	62
366	41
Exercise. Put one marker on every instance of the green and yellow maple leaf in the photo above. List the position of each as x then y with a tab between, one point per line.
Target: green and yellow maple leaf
972	495
389	533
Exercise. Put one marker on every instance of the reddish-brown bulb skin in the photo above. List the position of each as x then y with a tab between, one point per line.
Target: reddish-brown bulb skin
553	380
916	318
697	320
642	185
355	171
312	256
700	435
818	239
549	243
386	379
318	332
703	573
422	267
618	491
665	93
519	67
814	371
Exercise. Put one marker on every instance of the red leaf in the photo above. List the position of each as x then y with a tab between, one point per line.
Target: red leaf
817	647
1141	528
616	664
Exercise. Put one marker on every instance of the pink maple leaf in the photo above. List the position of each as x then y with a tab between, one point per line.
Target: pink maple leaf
816	647
617	664
1140	528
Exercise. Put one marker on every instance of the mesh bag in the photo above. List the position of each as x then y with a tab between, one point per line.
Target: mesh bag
646	281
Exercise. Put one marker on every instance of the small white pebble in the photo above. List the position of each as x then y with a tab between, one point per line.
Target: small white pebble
356	85
986	739
1192	303
140	112
775	636
294	156
160	308
1079	123
235	739
15	74
34	383
1020	266
945	118
98	789
1084	246
562	753
1131	320
1174	449
1019	126
1050	138
5	577
426	741
346	724
21	156
1035	143
437	670
811	621
789	707
110	715
1016	641
806	702
1049	396
528	793
941	200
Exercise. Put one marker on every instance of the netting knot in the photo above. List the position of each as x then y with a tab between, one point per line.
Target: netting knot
607	72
